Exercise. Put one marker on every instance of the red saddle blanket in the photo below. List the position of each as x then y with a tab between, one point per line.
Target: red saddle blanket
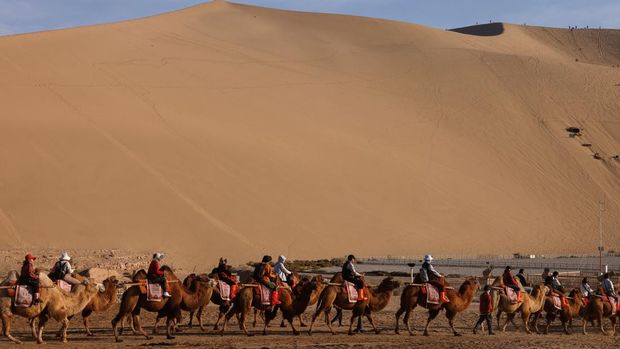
352	294
432	294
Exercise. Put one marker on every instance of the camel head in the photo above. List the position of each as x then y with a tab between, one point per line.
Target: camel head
388	284
206	280
111	281
471	282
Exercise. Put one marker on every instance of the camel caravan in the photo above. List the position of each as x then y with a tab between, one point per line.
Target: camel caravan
271	289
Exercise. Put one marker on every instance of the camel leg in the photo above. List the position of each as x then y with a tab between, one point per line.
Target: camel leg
43	318
199	317
408	323
450	317
65	326
314	316
155	329
399	312
265	324
170	322
372	323
220	315
329	324
353	318
295	332
550	318
136	322
498	317
301	321
525	316
191	319
431	315
85	315
255	314
242	319
6	328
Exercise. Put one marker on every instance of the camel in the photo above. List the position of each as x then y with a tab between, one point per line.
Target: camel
55	304
575	308
197	292
293	303
133	301
459	301
102	301
377	300
530	304
598	309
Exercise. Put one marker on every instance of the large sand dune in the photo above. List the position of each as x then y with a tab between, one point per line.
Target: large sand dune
234	130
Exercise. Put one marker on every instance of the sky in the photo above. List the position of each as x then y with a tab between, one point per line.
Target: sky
22	16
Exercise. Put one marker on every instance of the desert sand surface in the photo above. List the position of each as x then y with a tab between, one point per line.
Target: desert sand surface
440	334
226	129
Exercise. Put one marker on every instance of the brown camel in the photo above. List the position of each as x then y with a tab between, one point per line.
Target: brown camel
530	304
54	304
377	300
196	294
133	301
102	301
459	301
575	308
292	304
598	309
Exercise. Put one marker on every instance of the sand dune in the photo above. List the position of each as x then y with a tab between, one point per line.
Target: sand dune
233	130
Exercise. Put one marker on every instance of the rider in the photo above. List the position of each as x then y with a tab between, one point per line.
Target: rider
282	272
586	290
156	275
351	275
608	287
428	274
30	278
545	275
224	275
62	270
264	275
510	281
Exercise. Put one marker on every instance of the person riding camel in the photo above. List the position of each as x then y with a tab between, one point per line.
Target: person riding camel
156	275
62	270
428	274
30	278
556	287
511	282
608	287
545	275
282	272
224	275
586	290
264	275
351	275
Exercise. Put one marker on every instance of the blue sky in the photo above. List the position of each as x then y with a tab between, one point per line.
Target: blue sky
21	16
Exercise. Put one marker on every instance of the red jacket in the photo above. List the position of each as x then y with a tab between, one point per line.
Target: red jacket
486	304
28	272
154	269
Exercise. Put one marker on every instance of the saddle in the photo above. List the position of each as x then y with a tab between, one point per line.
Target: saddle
23	296
557	301
432	293
63	285
153	291
225	291
352	294
264	293
513	296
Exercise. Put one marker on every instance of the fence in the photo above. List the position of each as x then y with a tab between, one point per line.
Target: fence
584	264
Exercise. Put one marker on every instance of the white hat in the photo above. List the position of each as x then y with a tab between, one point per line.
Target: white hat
65	257
159	256
428	258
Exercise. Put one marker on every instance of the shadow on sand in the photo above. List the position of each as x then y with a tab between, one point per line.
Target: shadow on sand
489	29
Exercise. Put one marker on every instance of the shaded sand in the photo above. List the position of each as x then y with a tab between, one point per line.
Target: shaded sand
234	130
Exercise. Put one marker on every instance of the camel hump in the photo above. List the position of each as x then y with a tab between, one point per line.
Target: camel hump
98	274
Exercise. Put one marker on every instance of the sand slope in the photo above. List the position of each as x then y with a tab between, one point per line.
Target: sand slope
233	130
